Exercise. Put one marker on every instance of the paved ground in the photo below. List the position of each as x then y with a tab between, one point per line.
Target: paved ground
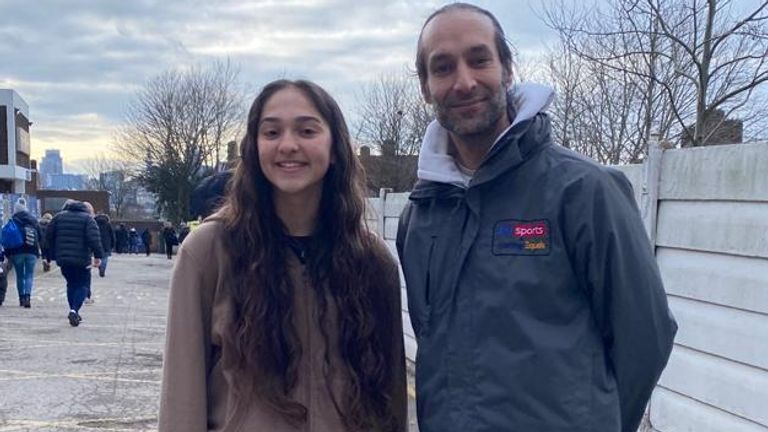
101	376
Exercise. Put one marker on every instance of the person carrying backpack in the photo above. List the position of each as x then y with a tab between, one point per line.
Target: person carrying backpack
22	247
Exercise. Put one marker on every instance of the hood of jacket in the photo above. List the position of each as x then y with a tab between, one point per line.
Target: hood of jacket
25	218
524	101
76	206
102	218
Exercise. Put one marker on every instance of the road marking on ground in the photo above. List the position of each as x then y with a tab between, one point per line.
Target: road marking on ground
92	424
106	376
67	342
43	324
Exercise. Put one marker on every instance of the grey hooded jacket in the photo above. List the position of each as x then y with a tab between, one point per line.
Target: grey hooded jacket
534	294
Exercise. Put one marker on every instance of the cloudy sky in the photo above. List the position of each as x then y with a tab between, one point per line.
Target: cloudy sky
78	63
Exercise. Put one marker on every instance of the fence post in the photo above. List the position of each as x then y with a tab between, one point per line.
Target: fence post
650	192
383	192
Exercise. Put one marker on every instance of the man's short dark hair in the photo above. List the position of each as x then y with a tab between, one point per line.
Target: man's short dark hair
500	39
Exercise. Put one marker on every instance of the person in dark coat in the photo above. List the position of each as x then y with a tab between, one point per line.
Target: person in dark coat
146	238
170	238
73	237
121	239
183	232
108	240
24	257
43	222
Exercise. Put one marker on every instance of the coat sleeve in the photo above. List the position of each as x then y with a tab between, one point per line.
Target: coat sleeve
186	360
93	237
50	241
40	239
616	265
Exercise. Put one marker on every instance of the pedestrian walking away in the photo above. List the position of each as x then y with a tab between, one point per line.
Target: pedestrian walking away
121	239
24	250
73	239
285	289
184	231
146	239
533	290
89	290
170	239
107	235
43	222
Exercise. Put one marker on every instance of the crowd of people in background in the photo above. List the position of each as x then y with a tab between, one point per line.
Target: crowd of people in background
77	240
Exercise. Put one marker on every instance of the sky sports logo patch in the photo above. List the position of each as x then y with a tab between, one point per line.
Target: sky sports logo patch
517	237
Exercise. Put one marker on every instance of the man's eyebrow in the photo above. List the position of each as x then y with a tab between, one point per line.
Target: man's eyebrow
473	50
480	49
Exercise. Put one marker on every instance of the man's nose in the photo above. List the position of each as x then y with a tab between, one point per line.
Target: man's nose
465	79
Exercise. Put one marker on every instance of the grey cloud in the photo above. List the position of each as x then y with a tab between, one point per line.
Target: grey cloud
70	57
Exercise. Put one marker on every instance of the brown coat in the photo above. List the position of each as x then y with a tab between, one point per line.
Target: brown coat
197	392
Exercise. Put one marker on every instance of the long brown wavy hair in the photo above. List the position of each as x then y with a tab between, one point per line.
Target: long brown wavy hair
344	267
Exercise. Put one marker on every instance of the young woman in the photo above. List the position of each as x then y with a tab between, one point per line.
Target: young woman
284	310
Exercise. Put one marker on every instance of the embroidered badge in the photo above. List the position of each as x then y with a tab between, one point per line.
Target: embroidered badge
516	237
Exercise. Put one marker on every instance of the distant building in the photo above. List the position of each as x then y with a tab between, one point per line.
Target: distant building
51	164
71	182
52	201
139	203
719	129
15	148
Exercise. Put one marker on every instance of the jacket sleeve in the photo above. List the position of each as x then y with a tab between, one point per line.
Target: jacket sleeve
402	228
615	263
50	241
93	238
183	395
40	239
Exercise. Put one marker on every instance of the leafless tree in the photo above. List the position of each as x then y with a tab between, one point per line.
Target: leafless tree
111	175
177	128
392	120
698	63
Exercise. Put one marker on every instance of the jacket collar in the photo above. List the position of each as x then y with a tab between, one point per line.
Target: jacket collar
524	102
515	146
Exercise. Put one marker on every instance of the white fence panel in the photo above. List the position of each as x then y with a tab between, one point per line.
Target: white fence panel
673	412
738	228
725	332
727	173
733	387
726	280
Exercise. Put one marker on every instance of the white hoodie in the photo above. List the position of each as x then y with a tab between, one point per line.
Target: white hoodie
435	164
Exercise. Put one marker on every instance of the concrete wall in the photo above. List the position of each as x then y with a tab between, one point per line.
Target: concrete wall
712	249
711	232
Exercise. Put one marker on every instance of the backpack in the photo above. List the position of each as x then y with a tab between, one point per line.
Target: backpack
12	236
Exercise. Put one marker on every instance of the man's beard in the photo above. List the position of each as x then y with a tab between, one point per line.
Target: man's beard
482	123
